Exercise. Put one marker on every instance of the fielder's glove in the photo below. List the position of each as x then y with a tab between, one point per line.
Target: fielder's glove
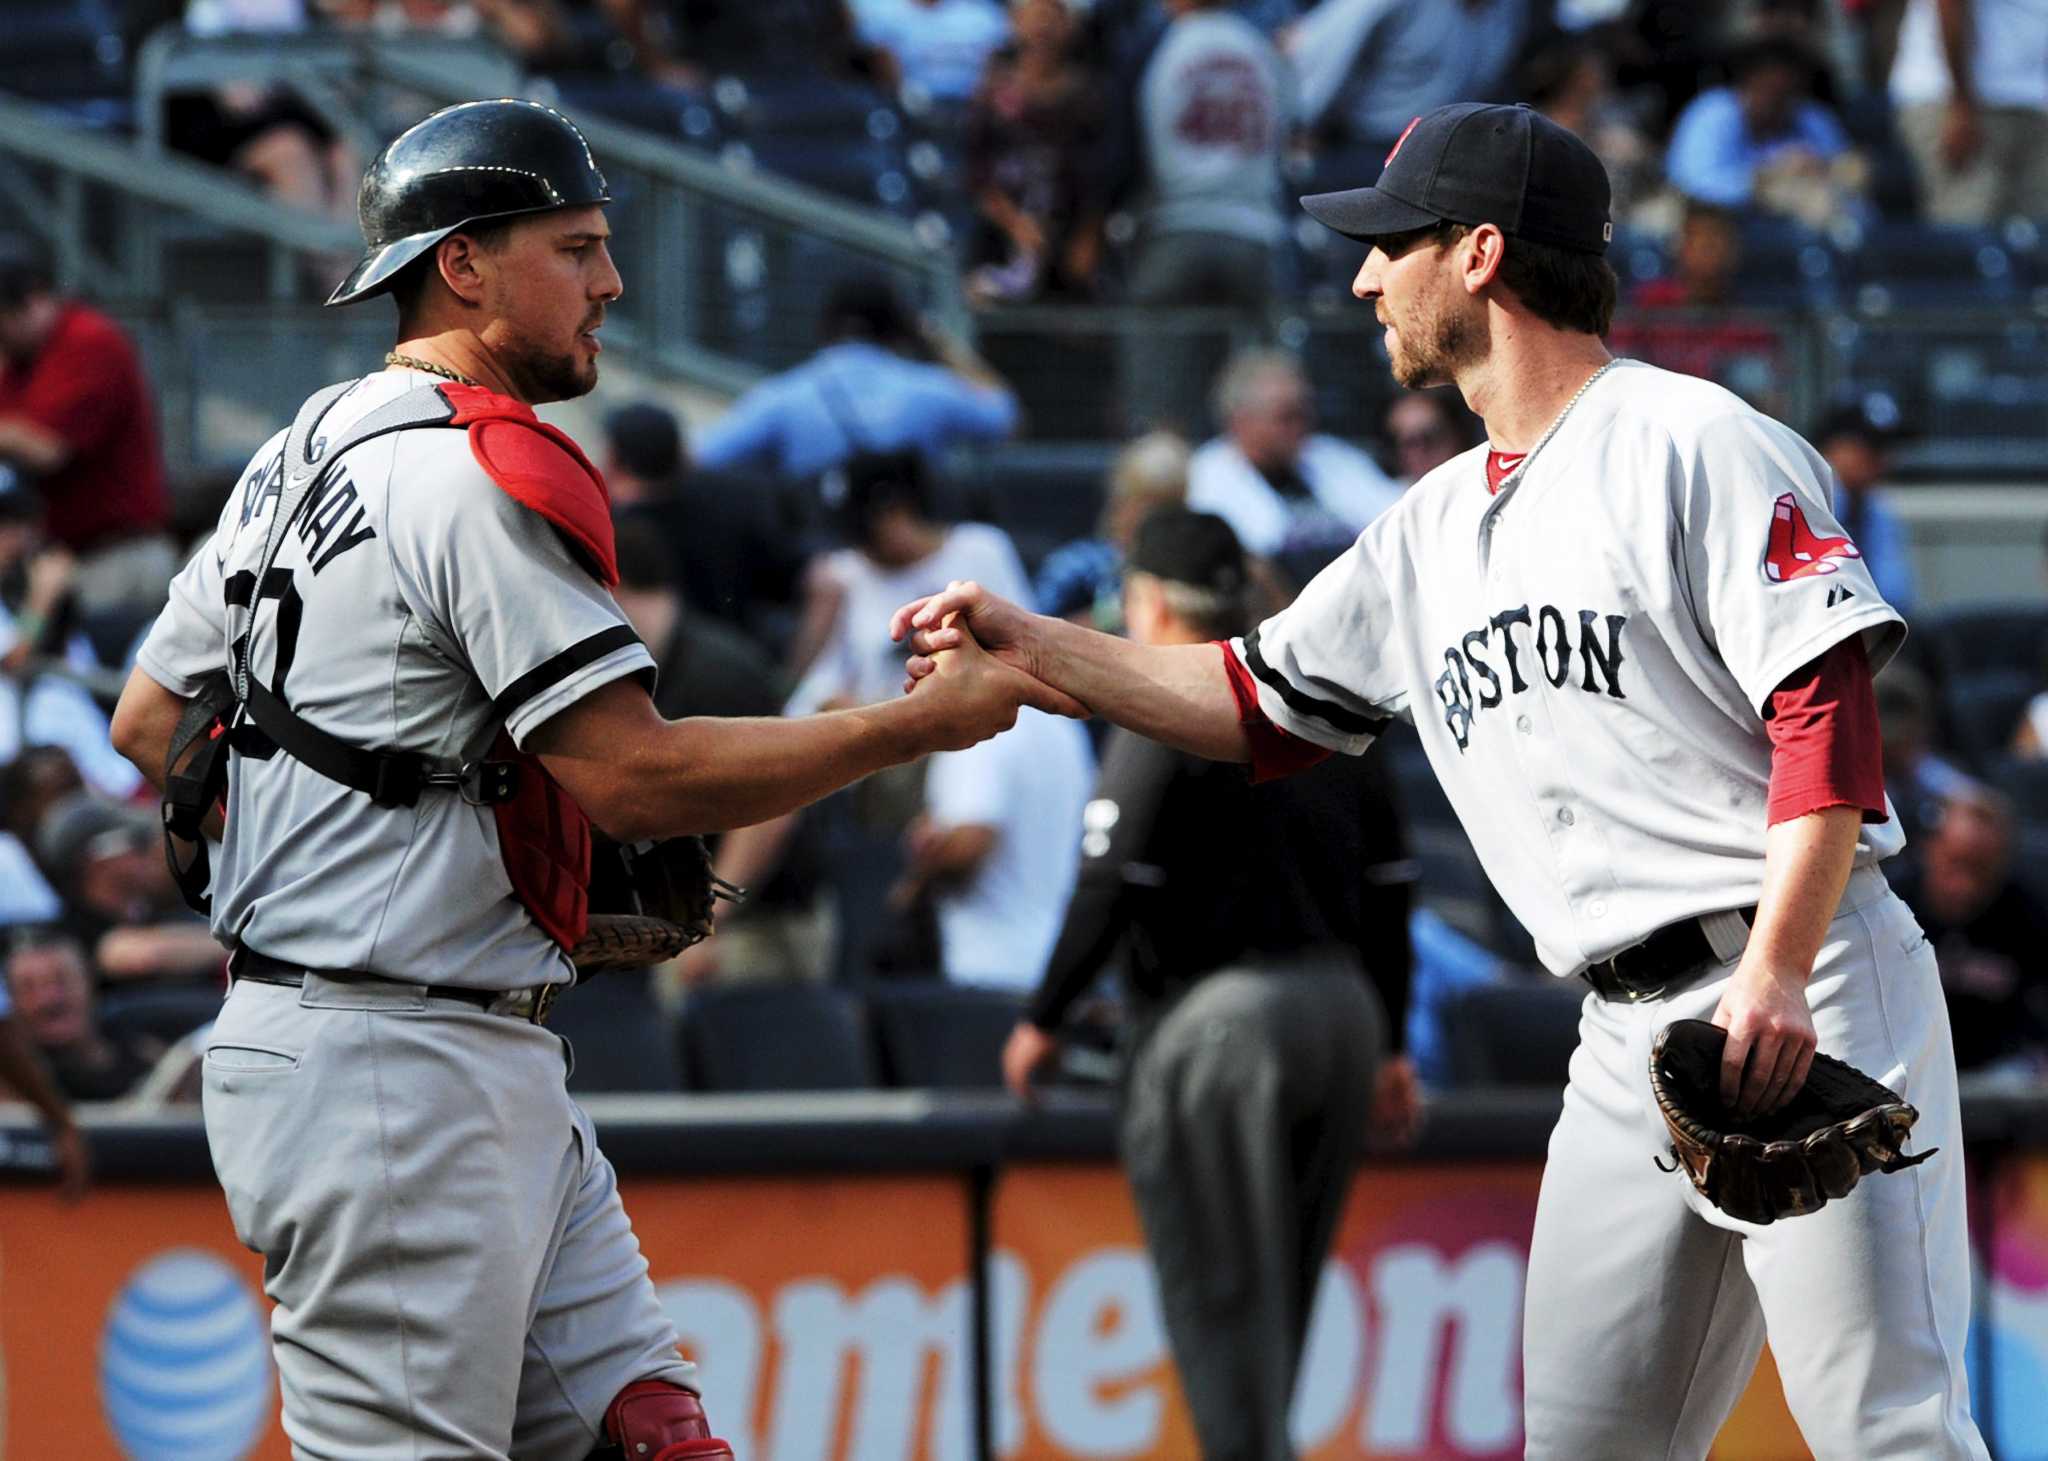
648	902
1836	1129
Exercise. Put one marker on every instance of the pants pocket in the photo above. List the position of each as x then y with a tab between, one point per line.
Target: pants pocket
250	1059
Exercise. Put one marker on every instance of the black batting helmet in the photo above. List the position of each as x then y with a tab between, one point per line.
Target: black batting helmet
467	163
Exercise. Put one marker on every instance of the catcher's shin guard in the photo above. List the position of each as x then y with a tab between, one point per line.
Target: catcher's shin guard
652	1420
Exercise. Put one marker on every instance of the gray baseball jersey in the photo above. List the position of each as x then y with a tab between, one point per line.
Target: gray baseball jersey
1587	656
415	607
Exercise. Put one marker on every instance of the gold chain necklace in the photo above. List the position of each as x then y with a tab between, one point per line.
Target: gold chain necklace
413	362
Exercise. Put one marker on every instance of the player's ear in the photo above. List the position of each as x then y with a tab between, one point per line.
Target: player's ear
464	264
1480	253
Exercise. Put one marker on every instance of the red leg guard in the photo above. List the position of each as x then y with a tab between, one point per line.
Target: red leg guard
652	1420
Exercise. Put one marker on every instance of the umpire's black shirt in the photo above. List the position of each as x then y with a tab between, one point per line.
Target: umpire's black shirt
1193	869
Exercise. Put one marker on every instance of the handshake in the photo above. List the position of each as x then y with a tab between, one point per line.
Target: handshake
975	660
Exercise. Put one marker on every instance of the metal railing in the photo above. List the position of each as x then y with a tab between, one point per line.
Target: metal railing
726	270
104	211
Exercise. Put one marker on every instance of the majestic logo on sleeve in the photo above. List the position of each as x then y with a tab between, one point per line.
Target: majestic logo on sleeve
1796	550
1547	647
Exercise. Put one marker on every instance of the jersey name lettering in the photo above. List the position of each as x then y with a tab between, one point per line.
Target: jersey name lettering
1472	681
327	501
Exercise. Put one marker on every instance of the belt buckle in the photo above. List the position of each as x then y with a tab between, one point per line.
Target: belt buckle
543	1004
1629	992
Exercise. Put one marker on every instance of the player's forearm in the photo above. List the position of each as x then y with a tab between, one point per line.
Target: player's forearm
1958	40
144	722
1176	694
1806	866
710	773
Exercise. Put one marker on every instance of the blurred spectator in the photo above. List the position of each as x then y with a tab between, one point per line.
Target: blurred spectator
107	864
873	386
705	667
776	37
26	896
78	419
994	848
1969	82
1916	778
1857	445
33	782
41	704
937	47
24	1073
1028	133
1572	83
1083	579
1764	143
1427	429
1366	68
52	990
264	132
1271	470
1679	321
1987	933
899	553
1205	146
733	557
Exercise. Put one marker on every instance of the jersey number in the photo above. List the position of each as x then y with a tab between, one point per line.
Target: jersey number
243	593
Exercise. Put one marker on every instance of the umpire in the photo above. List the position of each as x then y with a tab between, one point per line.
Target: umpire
1264	938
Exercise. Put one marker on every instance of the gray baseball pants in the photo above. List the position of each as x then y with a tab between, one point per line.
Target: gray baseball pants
453	1273
1243	1122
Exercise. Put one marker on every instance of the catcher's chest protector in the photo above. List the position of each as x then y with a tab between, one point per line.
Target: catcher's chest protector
543	836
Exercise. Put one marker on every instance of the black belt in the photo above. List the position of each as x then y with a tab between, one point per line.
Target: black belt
1658	964
262	969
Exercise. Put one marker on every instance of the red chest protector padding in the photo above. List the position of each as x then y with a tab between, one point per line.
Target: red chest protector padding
543	836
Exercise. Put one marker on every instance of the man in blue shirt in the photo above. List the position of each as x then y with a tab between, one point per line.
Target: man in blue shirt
1766	121
871	388
1858	446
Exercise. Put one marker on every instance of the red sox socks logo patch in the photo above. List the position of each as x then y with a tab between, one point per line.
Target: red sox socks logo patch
1795	550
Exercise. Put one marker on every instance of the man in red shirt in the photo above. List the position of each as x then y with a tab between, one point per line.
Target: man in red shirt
76	420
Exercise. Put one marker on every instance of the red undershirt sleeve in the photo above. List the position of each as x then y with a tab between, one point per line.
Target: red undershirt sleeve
1825	750
1275	753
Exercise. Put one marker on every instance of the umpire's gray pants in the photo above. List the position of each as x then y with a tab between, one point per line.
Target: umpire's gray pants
1244	1110
453	1273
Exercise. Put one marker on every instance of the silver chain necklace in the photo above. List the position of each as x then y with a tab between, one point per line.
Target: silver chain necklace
1514	478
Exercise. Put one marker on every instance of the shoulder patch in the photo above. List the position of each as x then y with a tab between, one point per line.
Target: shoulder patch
542	469
1794	550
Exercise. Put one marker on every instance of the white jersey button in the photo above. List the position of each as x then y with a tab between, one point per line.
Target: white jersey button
1564	815
1522	724
1596	909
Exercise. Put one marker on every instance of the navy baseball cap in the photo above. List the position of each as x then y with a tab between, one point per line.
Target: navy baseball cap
1473	163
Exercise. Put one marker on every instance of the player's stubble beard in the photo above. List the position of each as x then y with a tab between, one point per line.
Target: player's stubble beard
1438	340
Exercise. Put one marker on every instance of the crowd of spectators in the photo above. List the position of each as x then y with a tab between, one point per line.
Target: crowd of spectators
1123	150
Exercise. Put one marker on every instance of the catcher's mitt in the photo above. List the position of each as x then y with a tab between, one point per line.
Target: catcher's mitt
1837	1128
648	902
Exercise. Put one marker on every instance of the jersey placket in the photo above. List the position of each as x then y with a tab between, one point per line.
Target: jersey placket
1580	863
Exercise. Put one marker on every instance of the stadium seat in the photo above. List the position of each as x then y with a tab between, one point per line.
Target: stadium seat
775	1037
2026	782
1974	639
1909	264
1520	1034
166	1012
1784	265
941	1036
1981	712
620	1035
